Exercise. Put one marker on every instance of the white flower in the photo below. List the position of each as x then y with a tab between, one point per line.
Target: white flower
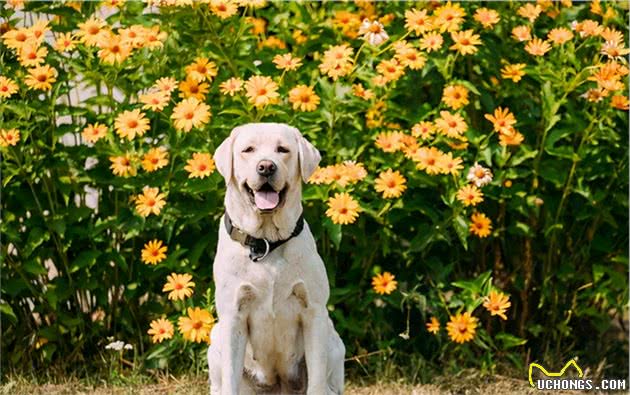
257	63
373	32
479	175
116	346
128	347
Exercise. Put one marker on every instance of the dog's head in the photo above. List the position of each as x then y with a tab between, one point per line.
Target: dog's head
266	162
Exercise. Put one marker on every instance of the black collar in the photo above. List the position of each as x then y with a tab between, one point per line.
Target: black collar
259	248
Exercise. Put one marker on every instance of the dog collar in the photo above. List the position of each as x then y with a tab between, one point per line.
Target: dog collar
259	248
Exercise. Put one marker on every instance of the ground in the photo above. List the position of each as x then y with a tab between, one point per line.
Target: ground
498	385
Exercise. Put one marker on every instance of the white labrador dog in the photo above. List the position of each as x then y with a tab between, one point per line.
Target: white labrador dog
273	335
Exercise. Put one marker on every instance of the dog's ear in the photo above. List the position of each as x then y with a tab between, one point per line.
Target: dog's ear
223	156
308	156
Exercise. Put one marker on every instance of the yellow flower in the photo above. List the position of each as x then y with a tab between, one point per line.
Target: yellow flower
343	209
431	42
390	183
303	98
65	42
424	129
465	42
31	54
272	42
261	91
502	120
38	30
9	137
359	91
455	96
202	69
391	69
529	11
620	102
94	132
197	325
486	17
41	77
408	56
461	328
299	37
337	61
448	17
150	201
200	166
510	137
450	165
113	49
348	22
258	25
190	113
166	85
470	195
7	87
522	33
286	62
451	125
384	283
154	252
191	88
160	330
92	31
154	101
537	47
428	159
154	38
130	124
497	303
223	8
178	286
559	35
389	141
513	72
154	159
16	38
231	86
433	326
417	21
122	165
480	225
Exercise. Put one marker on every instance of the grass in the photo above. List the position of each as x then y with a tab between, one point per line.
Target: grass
197	385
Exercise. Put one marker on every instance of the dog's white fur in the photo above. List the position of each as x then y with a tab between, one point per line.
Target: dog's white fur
273	335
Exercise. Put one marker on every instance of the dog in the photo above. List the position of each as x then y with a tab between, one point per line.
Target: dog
273	335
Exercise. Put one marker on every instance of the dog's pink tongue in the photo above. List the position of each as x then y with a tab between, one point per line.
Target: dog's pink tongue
266	200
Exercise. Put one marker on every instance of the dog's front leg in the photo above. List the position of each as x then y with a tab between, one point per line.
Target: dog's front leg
315	324
234	328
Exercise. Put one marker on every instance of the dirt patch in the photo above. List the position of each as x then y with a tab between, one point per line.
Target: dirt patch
497	385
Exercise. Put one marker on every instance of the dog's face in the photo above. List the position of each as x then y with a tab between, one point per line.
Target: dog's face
265	161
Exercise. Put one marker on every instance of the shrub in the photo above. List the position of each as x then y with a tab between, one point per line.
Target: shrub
474	174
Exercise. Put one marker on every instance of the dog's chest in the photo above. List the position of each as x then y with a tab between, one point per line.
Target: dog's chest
275	337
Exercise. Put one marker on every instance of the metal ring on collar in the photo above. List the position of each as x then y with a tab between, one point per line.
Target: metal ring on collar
267	247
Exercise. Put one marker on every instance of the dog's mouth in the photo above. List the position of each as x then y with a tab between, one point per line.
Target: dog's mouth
266	198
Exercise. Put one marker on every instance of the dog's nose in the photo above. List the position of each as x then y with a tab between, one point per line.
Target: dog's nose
266	168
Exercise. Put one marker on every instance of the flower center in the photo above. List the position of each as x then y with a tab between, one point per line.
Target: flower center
375	28
194	89
479	173
41	77
150	202
202	167
132	123
262	91
197	325
178	286
93	30
189	115
343	211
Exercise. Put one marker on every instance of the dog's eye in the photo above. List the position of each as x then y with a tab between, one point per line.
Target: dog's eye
249	149
282	150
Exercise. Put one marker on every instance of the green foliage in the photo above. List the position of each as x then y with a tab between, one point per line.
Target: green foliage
72	276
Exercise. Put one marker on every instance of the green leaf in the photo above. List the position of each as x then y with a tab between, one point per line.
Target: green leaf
85	259
334	231
36	237
33	266
509	341
7	311
461	228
